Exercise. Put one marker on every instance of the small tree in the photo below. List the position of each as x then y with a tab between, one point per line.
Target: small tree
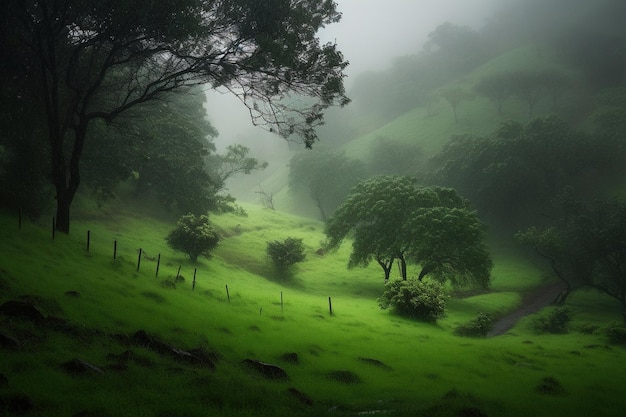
286	253
194	236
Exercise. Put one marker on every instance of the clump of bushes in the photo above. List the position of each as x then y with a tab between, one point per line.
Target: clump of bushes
477	327
194	236
422	300
286	253
616	332
556	321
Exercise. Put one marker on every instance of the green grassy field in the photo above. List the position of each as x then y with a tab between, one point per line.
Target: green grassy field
359	360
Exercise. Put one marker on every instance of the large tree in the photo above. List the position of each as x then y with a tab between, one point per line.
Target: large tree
160	145
327	174
82	51
514	173
585	246
392	218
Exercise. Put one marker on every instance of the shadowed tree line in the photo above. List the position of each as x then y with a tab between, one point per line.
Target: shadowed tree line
80	63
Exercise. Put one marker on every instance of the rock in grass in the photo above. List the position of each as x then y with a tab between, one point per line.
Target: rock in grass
22	310
345	377
198	357
300	396
267	370
80	367
376	363
72	294
16	404
8	342
290	357
550	386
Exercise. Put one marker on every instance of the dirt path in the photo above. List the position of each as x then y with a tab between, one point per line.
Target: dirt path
532	302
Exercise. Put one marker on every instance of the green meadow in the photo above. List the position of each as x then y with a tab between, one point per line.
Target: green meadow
359	360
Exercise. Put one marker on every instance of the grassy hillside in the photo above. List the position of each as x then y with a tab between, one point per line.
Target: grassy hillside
432	128
359	360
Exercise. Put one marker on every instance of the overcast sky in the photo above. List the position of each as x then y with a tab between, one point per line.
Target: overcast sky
370	34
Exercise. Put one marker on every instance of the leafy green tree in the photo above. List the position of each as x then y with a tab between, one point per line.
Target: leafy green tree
392	218
391	157
455	96
140	51
327	174
529	87
496	87
161	145
194	236
286	253
222	167
512	175
585	246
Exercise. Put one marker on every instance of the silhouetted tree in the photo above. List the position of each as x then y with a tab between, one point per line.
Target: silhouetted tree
139	51
497	88
455	96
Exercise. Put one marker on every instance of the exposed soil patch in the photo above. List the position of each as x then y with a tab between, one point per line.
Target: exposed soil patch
531	303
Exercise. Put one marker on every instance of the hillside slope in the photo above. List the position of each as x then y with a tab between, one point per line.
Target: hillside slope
135	330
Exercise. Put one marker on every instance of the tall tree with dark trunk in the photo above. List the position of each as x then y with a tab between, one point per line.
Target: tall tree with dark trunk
267	53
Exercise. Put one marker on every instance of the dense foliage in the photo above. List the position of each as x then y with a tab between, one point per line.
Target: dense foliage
327	175
392	218
422	300
554	321
480	326
194	236
92	60
285	253
584	246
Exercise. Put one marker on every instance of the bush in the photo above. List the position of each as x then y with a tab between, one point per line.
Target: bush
423	300
286	253
193	236
478	327
616	333
556	321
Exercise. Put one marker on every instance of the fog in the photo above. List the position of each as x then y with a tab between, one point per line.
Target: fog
370	34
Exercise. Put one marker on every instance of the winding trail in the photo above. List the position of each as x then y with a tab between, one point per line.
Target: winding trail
531	303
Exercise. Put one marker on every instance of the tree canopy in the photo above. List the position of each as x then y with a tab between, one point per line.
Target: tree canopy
327	174
584	246
392	218
94	60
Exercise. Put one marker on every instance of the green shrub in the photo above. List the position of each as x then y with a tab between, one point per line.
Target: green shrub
587	328
478	327
423	300
194	236
616	333
286	253
556	321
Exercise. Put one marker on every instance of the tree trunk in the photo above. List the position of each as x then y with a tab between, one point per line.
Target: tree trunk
66	187
386	266
402	267
425	270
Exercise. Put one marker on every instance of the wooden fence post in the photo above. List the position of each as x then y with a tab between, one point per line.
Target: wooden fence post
114	249
139	260
330	306
88	239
